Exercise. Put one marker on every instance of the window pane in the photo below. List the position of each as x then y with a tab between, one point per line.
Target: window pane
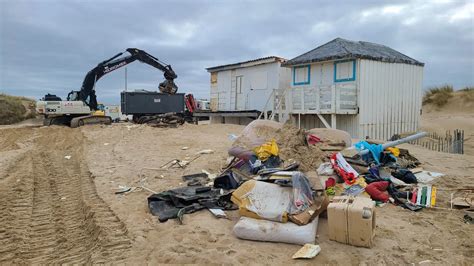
344	70
301	75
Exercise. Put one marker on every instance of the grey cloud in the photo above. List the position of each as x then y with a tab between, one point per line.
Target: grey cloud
48	46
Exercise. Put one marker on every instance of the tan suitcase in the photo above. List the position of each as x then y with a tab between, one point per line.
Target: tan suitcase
352	220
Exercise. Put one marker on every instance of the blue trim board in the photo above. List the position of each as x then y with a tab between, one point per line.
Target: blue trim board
353	71
304	82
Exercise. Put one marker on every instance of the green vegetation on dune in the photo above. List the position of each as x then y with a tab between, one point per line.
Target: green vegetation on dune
14	109
442	95
438	96
468	94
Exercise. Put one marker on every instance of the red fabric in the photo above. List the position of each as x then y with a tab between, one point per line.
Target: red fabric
349	178
312	139
330	182
377	190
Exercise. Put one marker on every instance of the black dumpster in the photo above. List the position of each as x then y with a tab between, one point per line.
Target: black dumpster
140	103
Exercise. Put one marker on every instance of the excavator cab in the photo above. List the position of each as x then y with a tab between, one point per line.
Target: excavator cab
100	110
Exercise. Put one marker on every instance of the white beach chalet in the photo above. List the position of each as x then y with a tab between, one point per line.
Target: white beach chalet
240	91
364	88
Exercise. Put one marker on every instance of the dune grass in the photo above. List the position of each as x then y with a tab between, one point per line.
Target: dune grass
467	94
13	110
438	96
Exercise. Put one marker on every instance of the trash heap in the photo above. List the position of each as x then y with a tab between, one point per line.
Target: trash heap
281	178
382	172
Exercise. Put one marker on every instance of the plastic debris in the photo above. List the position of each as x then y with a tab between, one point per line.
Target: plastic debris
67	157
343	169
208	151
261	200
219	213
325	169
232	137
427	177
123	189
302	196
264	230
308	251
266	150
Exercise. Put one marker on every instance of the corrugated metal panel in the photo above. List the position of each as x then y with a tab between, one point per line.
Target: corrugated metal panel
389	98
311	121
349	123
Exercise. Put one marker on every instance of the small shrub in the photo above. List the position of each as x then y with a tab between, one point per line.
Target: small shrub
438	96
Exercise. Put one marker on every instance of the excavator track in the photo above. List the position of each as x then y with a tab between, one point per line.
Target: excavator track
90	120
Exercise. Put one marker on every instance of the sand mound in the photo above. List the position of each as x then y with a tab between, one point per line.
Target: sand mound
14	109
458	102
291	142
293	147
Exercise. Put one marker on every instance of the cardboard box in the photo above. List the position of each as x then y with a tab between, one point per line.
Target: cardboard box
351	221
305	217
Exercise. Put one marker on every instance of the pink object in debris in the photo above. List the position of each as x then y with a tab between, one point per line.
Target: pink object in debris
312	139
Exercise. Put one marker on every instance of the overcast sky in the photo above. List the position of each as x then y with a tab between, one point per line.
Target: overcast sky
49	45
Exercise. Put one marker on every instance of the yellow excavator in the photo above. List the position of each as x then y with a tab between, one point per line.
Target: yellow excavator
100	110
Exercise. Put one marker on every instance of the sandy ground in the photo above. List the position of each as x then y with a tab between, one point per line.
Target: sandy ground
56	210
439	122
456	114
50	211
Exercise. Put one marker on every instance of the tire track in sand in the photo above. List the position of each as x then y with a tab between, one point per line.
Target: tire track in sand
50	211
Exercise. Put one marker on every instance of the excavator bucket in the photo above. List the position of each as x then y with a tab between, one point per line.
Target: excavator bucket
168	86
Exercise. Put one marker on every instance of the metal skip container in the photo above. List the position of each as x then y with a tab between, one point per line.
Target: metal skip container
149	103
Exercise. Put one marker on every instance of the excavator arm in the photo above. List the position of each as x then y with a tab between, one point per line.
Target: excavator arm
87	92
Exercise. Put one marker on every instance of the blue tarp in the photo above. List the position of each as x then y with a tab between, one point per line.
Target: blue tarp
375	149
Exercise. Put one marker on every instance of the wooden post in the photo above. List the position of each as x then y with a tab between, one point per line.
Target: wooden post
450	146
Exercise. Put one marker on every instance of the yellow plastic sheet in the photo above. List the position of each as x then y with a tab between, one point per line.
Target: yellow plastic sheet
266	150
394	150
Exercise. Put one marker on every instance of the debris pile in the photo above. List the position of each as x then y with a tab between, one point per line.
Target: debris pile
307	148
281	178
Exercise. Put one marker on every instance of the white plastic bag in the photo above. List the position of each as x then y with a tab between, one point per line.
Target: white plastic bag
256	133
264	230
325	169
258	199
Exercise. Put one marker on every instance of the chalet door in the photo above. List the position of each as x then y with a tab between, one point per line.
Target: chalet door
239	101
